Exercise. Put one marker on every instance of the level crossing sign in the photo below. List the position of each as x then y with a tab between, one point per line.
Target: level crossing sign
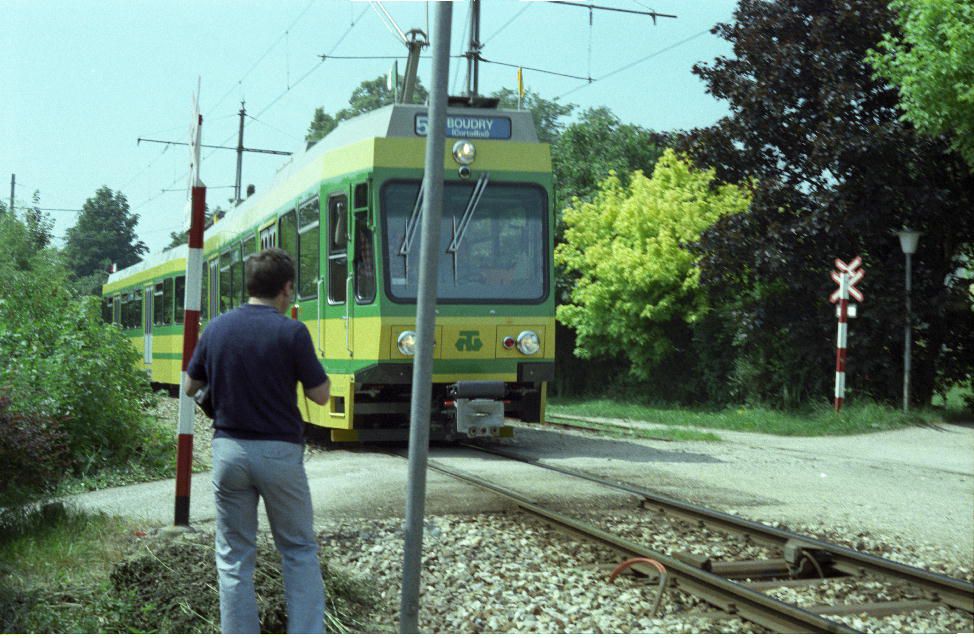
846	275
853	274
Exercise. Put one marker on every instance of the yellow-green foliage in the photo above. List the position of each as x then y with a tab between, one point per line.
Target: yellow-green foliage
628	249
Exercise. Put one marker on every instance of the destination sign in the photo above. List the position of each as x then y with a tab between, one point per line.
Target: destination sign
470	126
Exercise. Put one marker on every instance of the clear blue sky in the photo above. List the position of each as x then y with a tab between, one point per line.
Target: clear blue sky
81	80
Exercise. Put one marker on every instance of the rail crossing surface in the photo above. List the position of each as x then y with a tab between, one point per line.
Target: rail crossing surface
917	482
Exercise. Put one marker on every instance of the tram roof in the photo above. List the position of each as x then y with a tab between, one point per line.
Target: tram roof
394	120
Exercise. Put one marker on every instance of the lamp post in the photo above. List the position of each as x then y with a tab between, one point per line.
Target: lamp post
908	242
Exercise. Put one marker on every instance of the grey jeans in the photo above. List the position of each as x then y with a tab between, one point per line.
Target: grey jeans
243	472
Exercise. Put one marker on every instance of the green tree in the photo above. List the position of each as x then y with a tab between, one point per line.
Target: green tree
182	237
367	96
321	125
930	62
597	143
836	173
548	115
104	234
637	283
61	363
40	226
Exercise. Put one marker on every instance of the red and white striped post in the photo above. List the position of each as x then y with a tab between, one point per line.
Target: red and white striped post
841	341
191	323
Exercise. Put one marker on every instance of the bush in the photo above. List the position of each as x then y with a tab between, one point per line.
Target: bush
35	453
59	362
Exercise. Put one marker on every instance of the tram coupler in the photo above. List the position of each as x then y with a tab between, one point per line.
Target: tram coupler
479	407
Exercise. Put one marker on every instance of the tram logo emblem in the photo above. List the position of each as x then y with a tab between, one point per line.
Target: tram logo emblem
470	341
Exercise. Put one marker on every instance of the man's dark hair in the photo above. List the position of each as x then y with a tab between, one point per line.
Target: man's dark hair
267	273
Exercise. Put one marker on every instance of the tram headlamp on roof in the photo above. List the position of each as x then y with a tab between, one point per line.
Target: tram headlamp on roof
464	152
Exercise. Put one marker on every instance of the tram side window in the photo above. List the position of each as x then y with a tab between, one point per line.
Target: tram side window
237	274
205	292
309	262
268	237
106	309
158	317
180	299
226	298
167	301
117	309
364	260
288	234
337	248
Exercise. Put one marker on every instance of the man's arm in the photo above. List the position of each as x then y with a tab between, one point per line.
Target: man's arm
319	394
191	385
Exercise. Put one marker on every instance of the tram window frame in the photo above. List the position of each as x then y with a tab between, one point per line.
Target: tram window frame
179	299
158	309
268	237
168	299
309	249
337	248
205	291
361	199
287	233
238	289
225	294
364	260
214	275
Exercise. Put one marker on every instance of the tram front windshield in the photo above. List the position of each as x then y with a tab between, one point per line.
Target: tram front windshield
492	247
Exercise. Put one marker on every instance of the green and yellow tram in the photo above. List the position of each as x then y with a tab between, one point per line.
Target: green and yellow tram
347	210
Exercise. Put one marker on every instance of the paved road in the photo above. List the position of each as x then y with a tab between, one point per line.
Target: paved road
917	482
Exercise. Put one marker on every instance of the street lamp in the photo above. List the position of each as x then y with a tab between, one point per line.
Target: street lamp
908	242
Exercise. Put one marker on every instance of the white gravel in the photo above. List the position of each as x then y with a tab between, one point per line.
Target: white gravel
905	495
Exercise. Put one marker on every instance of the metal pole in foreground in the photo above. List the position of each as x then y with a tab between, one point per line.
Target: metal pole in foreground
419	414
191	319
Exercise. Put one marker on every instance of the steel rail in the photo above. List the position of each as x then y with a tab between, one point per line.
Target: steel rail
735	598
953	592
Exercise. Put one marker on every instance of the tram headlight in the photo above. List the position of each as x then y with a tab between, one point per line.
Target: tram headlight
464	152
528	342
407	342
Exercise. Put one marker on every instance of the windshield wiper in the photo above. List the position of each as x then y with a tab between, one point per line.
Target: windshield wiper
411	224
460	228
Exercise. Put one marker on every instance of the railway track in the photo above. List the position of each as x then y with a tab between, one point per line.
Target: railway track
739	587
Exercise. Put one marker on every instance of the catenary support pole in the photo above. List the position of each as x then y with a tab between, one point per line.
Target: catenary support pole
429	257
841	341
13	184
240	152
191	319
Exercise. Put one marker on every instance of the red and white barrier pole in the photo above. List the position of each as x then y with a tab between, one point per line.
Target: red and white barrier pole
841	341
191	327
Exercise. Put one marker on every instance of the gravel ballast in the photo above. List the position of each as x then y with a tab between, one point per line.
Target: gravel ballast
907	496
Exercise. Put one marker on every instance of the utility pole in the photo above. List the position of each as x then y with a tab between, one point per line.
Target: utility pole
473	52
429	255
240	152
13	182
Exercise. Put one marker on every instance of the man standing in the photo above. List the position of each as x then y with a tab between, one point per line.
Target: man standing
253	358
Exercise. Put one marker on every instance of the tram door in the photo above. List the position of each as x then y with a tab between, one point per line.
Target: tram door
147	315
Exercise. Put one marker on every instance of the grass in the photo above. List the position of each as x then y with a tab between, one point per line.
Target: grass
63	571
820	420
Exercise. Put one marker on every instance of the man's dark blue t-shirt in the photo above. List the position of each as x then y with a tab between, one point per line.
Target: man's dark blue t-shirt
252	358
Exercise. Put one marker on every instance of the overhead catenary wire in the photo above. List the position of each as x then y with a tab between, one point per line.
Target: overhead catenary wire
263	55
635	63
